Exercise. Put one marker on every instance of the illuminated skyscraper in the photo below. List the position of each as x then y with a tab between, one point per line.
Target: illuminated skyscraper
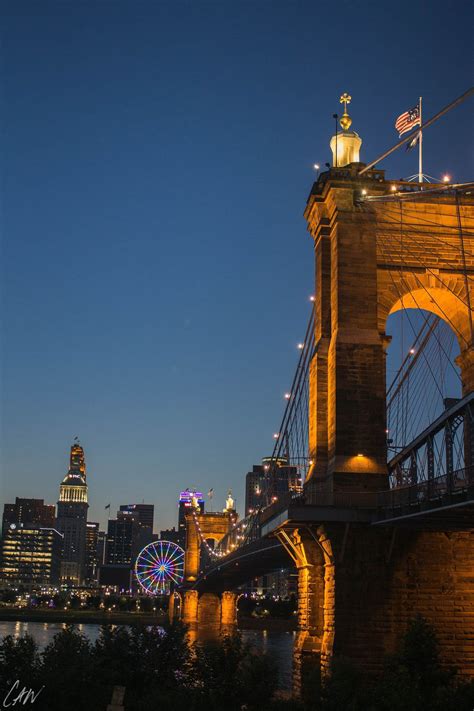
122	539
145	513
72	518
30	555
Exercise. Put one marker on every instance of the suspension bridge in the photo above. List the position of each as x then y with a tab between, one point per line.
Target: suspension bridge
382	526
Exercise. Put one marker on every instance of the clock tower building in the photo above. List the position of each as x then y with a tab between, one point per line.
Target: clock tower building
72	518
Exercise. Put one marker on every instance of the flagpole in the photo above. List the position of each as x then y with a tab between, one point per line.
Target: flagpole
420	153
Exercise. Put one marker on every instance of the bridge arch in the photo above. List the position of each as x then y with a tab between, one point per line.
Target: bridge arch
449	302
446	303
199	528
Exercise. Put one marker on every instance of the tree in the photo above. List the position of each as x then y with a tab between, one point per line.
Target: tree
68	674
19	660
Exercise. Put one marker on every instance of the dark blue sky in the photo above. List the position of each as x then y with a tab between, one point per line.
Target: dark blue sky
155	165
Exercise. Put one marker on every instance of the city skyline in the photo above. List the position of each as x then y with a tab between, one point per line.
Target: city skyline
146	309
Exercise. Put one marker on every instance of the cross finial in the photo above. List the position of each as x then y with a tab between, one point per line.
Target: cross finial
346	119
345	99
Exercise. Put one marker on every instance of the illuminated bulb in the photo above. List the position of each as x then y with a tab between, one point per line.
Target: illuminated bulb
360	455
275	435
301	346
446	178
393	188
312	298
287	396
364	192
316	166
412	351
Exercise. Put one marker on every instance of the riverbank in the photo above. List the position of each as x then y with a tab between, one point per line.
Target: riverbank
103	617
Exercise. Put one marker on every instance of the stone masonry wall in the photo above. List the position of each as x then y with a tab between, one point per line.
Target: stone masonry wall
382	582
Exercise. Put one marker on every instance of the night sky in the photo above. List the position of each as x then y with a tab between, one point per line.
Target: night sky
156	159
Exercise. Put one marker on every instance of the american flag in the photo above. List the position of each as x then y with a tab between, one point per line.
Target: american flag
406	121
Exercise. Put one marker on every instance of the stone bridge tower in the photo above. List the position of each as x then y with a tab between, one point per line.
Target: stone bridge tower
375	253
211	613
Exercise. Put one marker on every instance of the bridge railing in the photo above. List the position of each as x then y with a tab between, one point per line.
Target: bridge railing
442	488
442	448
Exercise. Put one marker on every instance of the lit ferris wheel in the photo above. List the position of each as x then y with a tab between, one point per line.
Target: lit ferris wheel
158	566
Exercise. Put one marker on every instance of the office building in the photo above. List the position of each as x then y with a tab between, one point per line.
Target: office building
31	555
145	513
92	552
101	546
269	481
30	511
170	534
254	489
282	478
72	518
122	545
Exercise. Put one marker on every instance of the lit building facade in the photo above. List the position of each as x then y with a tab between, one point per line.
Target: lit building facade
145	513
170	534
101	545
254	488
92	552
31	555
282	478
30	511
269	481
265	484
127	534
123	535
72	518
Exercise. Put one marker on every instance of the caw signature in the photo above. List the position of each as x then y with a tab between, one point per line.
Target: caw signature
23	696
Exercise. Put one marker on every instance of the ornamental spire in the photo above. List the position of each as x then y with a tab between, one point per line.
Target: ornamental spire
345	145
345	119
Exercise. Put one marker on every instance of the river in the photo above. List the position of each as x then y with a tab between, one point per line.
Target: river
279	645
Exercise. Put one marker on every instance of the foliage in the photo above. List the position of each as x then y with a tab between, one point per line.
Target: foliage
153	665
229	675
8	596
67	672
19	659
162	670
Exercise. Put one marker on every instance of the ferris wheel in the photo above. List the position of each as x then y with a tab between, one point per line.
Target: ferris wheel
159	565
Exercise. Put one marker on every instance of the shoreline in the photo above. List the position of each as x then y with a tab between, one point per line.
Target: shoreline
129	618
